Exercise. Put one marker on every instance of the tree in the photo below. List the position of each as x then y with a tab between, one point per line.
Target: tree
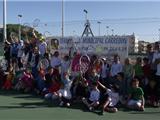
13	28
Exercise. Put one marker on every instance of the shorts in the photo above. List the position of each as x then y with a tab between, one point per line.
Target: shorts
134	102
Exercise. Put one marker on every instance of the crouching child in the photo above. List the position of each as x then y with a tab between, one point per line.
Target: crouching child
93	101
135	99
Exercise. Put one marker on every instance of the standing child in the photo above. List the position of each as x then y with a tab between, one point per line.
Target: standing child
146	70
151	95
105	72
136	96
65	66
138	70
128	74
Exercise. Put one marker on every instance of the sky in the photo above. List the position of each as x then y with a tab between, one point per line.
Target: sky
124	17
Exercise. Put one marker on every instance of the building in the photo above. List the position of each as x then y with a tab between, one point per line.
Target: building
132	43
142	46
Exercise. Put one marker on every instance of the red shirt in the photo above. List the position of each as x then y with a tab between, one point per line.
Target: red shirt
147	70
55	87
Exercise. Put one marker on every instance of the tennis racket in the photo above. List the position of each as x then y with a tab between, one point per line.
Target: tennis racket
36	23
13	36
3	64
84	63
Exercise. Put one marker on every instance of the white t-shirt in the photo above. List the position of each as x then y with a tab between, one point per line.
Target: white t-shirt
158	70
43	63
20	50
104	71
55	61
116	68
156	55
66	93
65	66
113	97
42	48
94	95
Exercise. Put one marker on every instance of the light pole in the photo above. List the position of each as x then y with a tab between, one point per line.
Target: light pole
19	31
62	18
99	27
4	21
86	12
112	31
159	34
107	27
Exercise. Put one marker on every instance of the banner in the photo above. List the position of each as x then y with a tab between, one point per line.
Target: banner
95	45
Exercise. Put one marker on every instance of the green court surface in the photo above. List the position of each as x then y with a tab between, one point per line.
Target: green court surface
16	106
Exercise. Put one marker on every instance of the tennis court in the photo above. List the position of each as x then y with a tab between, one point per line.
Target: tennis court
18	106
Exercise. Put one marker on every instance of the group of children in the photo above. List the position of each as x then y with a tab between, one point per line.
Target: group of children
103	85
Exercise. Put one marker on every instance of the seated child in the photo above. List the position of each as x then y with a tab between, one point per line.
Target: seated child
49	78
119	81
56	85
135	99
94	77
40	81
110	99
79	88
9	79
151	94
64	94
25	82
2	77
93	101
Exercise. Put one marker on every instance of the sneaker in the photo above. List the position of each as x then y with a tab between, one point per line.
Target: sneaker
91	109
68	104
61	103
102	112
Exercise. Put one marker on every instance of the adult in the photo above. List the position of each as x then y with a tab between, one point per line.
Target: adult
20	53
55	60
116	67
156	62
42	46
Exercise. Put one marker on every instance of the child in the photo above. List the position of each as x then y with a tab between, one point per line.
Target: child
65	66
128	74
138	70
9	79
79	88
55	86
49	77
151	94
116	66
146	70
94	77
64	94
40	81
25	82
2	77
119	81
135	99
105	72
44	62
93	101
110	99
